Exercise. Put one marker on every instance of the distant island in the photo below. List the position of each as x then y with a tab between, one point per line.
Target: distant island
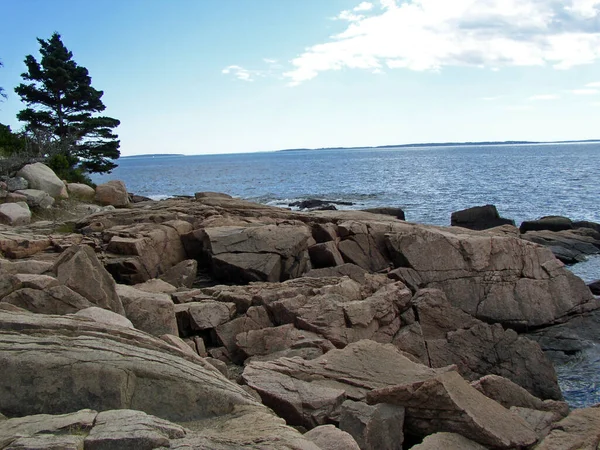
446	144
154	155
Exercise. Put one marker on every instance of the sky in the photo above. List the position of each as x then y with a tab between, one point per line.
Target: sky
233	76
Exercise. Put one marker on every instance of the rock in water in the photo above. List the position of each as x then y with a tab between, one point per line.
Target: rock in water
479	218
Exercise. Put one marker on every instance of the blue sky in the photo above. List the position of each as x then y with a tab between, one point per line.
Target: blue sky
230	76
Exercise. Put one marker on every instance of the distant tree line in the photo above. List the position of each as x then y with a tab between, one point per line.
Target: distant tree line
62	122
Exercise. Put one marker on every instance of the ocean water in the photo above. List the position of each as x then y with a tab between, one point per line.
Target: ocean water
525	182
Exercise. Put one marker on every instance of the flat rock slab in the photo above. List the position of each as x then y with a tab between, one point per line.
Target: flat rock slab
447	441
306	392
579	430
449	403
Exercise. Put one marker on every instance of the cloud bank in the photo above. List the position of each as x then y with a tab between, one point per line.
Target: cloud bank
428	35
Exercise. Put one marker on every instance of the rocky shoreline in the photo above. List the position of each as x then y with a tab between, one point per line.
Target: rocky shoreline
216	323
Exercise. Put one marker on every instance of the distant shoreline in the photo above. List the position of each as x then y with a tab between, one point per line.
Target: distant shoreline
445	144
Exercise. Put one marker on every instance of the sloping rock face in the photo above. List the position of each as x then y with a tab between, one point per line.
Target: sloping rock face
579	430
41	177
495	278
58	364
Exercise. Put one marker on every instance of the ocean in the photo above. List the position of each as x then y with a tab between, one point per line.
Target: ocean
525	182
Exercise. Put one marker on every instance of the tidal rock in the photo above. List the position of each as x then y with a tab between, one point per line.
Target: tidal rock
153	313
79	269
15	214
41	177
479	218
595	287
373	427
453	337
207	194
448	403
570	246
112	193
256	318
328	437
550	223
387	211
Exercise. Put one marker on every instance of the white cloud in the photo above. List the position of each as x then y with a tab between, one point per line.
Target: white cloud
519	108
544	97
240	73
491	99
585	91
432	34
364	6
595	84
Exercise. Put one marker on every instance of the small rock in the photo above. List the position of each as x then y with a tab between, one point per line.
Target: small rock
328	437
15	214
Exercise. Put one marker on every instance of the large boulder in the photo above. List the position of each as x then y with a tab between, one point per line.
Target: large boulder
453	337
36	198
112	193
496	278
81	191
579	430
52	300
374	427
15	214
79	269
479	218
41	177
257	253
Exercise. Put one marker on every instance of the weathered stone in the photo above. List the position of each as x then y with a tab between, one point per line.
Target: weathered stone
104	316
182	274
45	424
595	287
15	214
112	193
539	421
79	269
373	427
360	249
447	441
197	316
16	183
306	392
349	270
47	442
37	198
325	254
398	213
579	430
153	313
207	194
39	176
449	403
270	340
256	318
328	437
29	266
131	430
35	281
56	364
81	191
156	286
479	218
569	246
53	300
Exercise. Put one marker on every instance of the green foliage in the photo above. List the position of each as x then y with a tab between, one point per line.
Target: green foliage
10	143
61	115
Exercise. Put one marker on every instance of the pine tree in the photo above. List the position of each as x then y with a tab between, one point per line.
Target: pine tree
2	93
62	108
